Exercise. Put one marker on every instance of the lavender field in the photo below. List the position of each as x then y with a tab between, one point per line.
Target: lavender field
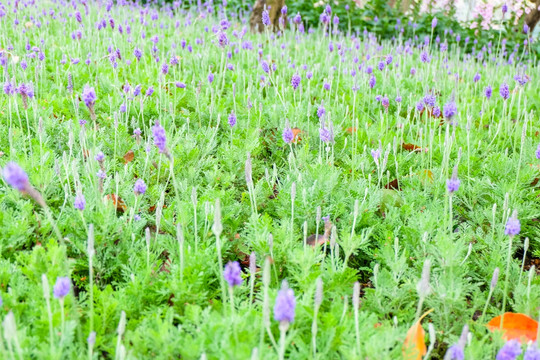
176	186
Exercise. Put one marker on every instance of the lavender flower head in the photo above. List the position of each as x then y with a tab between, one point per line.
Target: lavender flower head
140	187
476	77
160	139
532	353
488	91
100	157
232	119
537	153
285	304
89	96
80	202
372	81
326	134
504	90
288	134
265	18
233	274
16	177
295	81
452	184
376	154
450	109
513	226
434	23
510	351
494	278
62	287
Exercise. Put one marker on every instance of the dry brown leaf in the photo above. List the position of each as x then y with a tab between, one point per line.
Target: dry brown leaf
130	155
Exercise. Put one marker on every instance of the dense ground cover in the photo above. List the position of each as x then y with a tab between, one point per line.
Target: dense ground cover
160	145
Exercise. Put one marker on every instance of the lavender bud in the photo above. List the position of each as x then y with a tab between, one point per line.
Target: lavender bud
494	278
423	287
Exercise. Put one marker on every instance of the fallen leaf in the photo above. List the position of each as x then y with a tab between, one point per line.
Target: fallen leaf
394	184
515	326
117	202
412	147
426	176
414	346
296	132
130	155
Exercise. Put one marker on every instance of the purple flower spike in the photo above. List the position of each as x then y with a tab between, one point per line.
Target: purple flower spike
16	177
160	139
265	18
453	183
504	90
285	304
538	152
140	187
488	91
80	202
288	135
62	287
510	351
233	274
295	81
89	96
532	353
450	109
232	119
513	226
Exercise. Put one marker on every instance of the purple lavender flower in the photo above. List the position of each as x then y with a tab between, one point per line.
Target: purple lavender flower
149	91
525	28
100	157
452	184
504	8
513	226
297	18
101	174
15	176
160	139
326	134
137	90
89	97
285	304
140	187
321	111
436	111
413	71
295	81
385	102
381	65
434	23
232	119
476	77
91	339
430	100
504	90
288	135
62	287
510	351
165	68
450	109
80	202
424	57
136	217
9	88
284	10
180	85
372	81
233	274
488	91
537	153
222	39
455	352
398	99
533	352
265	18
138	53
210	78
420	106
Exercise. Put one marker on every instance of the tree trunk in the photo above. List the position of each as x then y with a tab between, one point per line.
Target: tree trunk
533	17
274	10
